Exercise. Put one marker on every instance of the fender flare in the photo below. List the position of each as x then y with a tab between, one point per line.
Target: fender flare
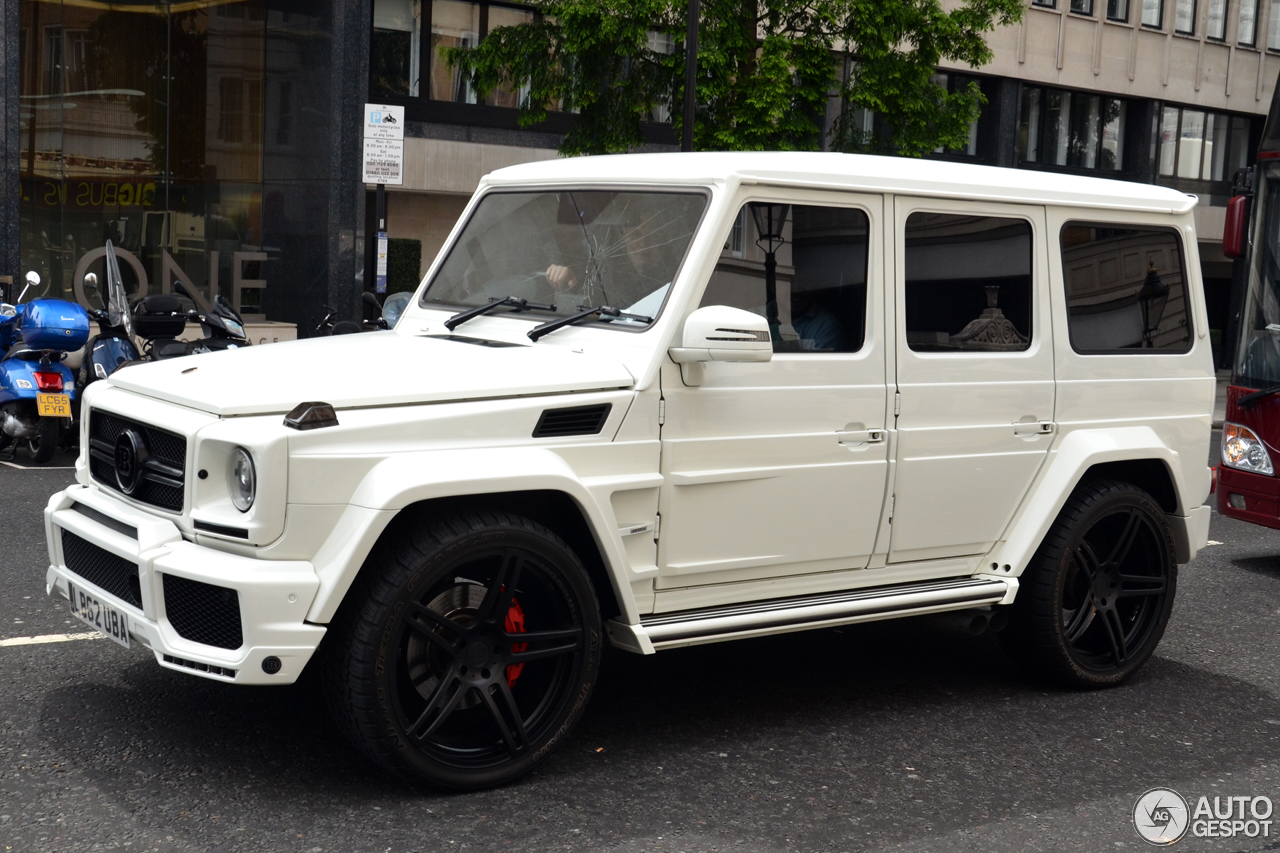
1065	467
405	479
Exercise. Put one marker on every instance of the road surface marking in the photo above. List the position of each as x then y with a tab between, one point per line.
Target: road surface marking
39	467
51	638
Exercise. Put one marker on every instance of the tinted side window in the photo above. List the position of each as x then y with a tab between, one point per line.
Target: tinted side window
968	283
818	299
1126	291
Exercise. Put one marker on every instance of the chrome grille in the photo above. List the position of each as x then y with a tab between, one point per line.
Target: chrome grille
161	479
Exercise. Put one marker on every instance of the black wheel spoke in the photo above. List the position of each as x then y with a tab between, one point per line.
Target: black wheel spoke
1080	620
543	636
1115	634
1087	561
1120	552
1136	585
513	731
444	700
428	631
497	598
549	652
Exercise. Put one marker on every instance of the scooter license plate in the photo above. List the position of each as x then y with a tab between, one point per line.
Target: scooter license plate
53	405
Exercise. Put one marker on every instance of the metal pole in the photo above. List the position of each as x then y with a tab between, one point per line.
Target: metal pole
690	76
382	207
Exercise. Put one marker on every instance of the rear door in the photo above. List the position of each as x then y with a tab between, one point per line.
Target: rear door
974	371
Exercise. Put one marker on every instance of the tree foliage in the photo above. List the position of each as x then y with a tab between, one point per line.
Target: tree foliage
767	70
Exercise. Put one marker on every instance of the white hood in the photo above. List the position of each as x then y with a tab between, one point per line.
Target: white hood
364	370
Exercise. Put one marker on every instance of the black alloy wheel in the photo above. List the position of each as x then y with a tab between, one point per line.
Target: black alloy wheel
1096	598
473	652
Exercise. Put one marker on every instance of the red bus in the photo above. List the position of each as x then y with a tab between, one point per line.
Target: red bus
1249	473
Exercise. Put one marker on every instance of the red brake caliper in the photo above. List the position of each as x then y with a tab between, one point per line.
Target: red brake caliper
515	625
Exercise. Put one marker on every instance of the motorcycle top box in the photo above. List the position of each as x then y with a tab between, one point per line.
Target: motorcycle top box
54	324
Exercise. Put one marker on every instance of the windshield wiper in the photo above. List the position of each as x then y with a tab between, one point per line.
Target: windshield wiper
517	303
1248	401
586	314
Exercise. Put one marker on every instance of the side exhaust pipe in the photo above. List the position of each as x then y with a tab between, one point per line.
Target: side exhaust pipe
972	622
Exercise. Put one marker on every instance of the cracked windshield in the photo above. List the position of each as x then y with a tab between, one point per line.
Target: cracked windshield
574	250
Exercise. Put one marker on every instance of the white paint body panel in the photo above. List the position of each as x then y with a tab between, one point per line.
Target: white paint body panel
735	490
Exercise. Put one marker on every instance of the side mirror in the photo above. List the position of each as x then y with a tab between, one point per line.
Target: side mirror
372	301
721	333
33	278
1233	243
91	280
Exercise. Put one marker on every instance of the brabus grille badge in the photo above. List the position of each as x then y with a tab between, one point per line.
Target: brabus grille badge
137	460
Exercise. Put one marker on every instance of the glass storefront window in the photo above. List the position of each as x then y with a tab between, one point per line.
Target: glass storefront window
502	16
1184	17
177	189
453	24
1247	28
1218	19
394	49
1199	145
1073	129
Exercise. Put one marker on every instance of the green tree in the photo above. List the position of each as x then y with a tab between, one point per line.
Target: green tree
767	70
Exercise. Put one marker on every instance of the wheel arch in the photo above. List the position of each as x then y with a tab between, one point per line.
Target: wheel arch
1135	455
401	492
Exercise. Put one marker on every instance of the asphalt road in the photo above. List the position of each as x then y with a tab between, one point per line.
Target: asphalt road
889	736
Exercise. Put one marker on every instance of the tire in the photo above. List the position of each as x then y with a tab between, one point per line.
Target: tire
430	682
45	442
1097	596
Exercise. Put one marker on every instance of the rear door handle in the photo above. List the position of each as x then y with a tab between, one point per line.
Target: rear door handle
860	436
1033	428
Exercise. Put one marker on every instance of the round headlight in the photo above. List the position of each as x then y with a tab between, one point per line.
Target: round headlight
242	479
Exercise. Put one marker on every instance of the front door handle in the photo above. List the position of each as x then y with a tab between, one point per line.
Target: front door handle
860	436
1033	428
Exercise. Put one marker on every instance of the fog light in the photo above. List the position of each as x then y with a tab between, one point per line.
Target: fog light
1244	451
1236	501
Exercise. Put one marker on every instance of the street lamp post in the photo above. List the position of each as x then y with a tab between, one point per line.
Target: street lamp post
770	219
1152	297
690	76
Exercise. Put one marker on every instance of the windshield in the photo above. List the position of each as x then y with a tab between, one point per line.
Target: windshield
1258	356
571	249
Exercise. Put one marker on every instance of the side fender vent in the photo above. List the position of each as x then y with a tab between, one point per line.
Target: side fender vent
579	420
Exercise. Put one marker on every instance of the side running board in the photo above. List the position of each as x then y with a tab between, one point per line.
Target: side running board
738	621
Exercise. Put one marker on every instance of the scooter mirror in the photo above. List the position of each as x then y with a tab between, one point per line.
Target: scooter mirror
372	301
91	280
33	278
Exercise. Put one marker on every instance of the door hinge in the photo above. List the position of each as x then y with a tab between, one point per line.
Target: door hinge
662	411
891	497
897	403
657	526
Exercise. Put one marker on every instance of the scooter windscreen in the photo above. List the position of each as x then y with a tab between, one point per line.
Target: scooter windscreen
117	303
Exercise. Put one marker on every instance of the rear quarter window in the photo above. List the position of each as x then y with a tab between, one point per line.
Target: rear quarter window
1126	289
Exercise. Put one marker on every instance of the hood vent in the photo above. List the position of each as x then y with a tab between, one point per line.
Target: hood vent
579	420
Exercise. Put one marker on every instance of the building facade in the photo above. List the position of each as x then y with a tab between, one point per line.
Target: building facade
218	141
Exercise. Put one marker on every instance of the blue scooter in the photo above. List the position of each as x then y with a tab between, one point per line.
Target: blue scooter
36	389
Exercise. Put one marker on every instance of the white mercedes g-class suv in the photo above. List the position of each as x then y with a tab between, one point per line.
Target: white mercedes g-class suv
670	399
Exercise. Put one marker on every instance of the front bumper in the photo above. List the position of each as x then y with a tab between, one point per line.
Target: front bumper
272	596
1258	494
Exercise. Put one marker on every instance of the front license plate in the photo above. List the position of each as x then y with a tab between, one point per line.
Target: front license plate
99	615
53	405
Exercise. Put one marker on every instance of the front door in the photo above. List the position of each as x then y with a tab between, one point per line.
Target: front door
975	373
779	468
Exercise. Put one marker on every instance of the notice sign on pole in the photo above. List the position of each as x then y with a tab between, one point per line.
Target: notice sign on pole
380	268
383	144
